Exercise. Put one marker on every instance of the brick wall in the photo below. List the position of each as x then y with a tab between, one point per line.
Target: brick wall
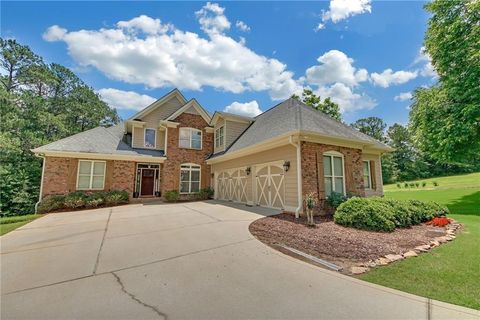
56	176
60	175
312	169
176	156
123	176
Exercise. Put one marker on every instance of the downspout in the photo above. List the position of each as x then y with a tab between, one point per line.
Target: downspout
299	176
41	183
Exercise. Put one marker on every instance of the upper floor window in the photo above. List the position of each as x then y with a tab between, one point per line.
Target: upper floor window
333	173
367	176
91	175
219	137
190	138
150	135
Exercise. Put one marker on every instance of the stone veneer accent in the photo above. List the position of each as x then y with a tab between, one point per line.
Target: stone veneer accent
60	175
176	156
312	170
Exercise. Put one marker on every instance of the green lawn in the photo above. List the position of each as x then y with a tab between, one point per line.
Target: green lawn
8	224
450	272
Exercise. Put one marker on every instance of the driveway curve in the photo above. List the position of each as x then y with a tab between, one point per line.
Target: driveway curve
192	260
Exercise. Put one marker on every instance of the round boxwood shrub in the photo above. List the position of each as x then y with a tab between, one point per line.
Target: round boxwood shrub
365	213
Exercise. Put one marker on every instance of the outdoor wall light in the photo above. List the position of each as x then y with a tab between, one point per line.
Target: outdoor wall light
286	165
248	170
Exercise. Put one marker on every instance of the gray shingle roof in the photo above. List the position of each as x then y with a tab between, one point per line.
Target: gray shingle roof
98	140
293	115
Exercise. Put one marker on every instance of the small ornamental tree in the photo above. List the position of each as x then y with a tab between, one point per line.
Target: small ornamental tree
310	203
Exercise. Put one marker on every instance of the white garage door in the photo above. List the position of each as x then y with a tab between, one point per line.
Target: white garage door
232	185
270	186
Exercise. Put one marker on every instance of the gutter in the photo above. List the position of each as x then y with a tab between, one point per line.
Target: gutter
41	182
299	176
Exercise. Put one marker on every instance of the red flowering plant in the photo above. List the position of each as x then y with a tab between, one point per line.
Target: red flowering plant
439	221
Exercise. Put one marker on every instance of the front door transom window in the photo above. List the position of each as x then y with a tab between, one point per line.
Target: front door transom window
333	173
189	178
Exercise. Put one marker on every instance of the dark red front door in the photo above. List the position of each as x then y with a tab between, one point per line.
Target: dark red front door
148	178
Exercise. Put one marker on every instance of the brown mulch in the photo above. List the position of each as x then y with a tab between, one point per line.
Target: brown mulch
337	244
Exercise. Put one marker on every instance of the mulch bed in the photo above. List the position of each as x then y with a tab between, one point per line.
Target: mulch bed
337	244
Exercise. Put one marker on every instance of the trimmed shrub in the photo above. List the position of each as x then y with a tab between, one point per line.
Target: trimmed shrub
206	193
399	186
52	203
75	200
380	214
405	185
95	199
172	195
116	197
335	199
435	183
365	213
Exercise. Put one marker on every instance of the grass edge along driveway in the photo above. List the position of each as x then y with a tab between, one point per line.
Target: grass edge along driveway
8	224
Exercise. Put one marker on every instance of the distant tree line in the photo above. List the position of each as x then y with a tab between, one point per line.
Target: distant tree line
39	103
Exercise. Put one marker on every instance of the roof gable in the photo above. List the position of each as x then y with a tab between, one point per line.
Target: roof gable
188	108
174	94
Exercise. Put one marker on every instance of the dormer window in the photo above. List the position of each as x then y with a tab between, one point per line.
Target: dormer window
219	137
150	138
190	138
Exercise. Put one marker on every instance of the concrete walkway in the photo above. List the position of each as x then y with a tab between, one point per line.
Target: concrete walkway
180	261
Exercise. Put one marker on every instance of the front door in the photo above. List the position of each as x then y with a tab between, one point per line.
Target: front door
148	179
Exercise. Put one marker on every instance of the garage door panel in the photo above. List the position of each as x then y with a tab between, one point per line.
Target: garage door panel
232	185
270	186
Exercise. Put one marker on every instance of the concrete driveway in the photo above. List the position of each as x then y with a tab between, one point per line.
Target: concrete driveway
178	261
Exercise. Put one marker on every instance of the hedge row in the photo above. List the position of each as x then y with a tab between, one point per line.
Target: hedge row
79	199
379	214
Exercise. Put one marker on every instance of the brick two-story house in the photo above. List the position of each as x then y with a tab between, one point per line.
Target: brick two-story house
271	160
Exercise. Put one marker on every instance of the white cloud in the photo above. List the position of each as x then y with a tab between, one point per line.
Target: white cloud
158	55
335	66
242	26
145	24
249	109
388	77
319	27
403	96
346	98
212	20
337	78
125	100
343	9
427	70
54	33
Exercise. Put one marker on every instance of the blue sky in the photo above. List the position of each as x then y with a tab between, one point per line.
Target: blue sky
237	56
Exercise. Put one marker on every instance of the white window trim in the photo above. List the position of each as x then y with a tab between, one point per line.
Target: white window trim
91	174
217	136
332	154
145	138
190	130
369	175
197	168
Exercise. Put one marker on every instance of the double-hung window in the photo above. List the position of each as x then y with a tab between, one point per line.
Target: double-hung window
91	175
367	176
333	173
190	138
219	137
150	135
189	178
